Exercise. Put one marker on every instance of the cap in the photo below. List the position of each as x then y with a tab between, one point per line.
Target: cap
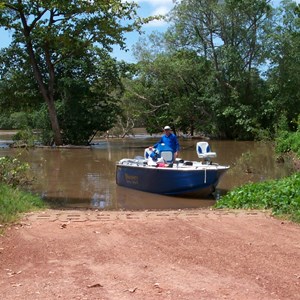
167	128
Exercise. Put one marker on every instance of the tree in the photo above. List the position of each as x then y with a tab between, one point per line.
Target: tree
88	95
231	35
172	88
52	31
18	88
284	69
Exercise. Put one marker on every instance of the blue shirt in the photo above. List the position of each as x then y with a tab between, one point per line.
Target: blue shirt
170	141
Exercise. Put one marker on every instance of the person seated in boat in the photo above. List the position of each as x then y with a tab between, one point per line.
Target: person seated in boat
170	140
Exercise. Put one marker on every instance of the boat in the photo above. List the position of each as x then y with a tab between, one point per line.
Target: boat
158	172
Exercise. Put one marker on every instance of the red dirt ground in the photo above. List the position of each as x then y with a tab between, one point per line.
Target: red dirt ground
194	254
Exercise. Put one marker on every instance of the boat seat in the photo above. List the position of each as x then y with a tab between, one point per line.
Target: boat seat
147	153
204	151
161	152
167	156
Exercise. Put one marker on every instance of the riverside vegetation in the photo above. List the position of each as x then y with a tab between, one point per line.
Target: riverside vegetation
13	200
281	196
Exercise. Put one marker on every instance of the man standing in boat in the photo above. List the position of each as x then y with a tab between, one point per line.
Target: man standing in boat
170	140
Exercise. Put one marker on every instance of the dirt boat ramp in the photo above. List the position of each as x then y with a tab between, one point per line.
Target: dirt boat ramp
185	254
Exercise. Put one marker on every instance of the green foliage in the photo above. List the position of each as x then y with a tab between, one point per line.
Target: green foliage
19	120
283	74
281	196
84	118
288	141
14	172
282	124
13	202
89	89
91	104
24	138
40	122
174	89
52	37
5	121
261	134
229	34
224	68
18	88
16	120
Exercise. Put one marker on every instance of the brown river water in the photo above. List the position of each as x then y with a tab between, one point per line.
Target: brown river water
85	177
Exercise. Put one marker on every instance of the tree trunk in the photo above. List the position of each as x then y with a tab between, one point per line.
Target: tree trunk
48	99
47	94
54	123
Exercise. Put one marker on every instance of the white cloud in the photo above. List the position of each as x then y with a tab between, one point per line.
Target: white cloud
159	11
162	10
156	23
156	8
168	3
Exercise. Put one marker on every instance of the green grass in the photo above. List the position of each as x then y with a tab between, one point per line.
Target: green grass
14	201
281	196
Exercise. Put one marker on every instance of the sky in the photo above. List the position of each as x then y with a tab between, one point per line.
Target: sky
150	8
147	8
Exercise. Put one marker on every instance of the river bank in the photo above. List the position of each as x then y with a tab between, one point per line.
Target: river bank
182	254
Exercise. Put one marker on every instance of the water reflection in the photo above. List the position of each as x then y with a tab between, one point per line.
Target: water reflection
100	201
129	199
85	177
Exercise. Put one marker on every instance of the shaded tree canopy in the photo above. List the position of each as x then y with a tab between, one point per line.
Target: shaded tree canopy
224	68
251	49
51	32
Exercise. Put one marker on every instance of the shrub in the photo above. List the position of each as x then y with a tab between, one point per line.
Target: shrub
14	172
288	141
281	196
20	120
5	121
24	136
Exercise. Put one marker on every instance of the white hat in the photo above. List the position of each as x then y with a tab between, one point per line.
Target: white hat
167	128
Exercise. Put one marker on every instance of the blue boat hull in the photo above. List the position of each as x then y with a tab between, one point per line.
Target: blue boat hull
169	181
